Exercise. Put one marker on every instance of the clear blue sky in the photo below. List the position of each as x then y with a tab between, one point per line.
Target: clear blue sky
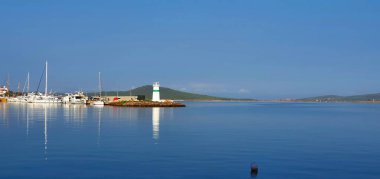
259	49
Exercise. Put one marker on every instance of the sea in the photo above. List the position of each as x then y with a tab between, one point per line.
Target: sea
201	140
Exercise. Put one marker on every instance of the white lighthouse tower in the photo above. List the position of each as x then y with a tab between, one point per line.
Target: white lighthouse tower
156	92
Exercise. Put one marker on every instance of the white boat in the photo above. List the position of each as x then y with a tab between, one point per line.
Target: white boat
99	101
41	98
76	98
44	98
13	99
24	97
18	99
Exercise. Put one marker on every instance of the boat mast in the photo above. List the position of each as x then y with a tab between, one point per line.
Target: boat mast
9	90
100	87
27	88
18	88
23	89
46	78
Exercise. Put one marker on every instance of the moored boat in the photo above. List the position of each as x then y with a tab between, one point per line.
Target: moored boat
44	98
76	98
98	100
41	98
98	103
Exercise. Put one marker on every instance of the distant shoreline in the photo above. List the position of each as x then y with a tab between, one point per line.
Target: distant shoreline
285	101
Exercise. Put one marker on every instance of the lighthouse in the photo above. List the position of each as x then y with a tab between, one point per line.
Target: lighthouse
156	92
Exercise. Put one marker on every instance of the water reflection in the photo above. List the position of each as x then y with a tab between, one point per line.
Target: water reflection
38	118
99	109
4	113
39	112
253	175
27	121
45	131
133	113
156	122
119	113
47	111
157	115
74	113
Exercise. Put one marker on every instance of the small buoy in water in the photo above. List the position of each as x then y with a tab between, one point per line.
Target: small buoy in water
254	169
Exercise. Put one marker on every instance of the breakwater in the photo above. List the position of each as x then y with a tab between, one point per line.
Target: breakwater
146	104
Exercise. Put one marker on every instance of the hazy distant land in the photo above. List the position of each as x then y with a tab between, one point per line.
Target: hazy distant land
335	98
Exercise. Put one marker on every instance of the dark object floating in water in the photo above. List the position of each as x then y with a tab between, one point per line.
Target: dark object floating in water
254	169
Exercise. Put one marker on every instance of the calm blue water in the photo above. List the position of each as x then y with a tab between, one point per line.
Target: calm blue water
203	140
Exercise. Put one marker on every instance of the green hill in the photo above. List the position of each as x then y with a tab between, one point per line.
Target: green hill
332	98
166	93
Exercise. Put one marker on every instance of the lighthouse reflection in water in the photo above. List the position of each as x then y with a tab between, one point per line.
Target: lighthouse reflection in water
156	123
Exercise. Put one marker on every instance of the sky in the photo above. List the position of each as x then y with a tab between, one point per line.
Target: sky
264	49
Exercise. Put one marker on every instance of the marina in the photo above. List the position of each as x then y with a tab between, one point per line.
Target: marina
79	97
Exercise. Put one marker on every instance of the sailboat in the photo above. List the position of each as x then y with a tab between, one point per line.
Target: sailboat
99	101
44	98
21	98
25	96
